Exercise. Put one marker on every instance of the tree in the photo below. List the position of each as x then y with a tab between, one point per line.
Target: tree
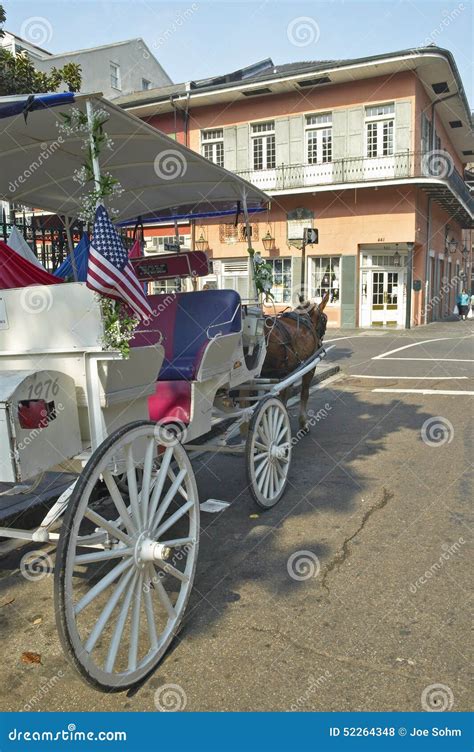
19	76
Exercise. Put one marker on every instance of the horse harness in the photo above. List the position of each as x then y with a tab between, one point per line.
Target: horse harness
302	319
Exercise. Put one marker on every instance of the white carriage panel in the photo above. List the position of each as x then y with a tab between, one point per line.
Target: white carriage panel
220	356
49	318
39	423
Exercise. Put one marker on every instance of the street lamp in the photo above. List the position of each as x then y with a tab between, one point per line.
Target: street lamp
201	243
396	259
268	241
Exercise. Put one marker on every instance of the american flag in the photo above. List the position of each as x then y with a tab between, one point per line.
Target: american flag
109	271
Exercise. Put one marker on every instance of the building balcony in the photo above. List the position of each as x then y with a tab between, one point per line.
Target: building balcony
437	176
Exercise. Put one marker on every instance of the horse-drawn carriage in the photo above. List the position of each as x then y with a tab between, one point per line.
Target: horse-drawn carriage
127	528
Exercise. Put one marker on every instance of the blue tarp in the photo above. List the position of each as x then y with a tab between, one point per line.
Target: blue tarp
81	254
24	103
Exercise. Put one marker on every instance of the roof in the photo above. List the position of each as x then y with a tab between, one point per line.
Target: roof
99	47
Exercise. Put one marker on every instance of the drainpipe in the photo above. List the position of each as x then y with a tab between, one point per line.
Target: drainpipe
427	259
410	247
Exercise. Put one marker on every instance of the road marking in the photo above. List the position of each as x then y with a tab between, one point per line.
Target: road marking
418	378
449	392
384	356
432	360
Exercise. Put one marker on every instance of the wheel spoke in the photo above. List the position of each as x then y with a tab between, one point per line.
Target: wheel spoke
174	518
260	456
100	521
164	597
104	583
278	423
169	569
132	485
119	627
266	427
283	431
117	498
147	471
271	488
106	612
267	482
259	469
170	494
259	445
180	489
113	553
135	624
179	542
150	617
160	482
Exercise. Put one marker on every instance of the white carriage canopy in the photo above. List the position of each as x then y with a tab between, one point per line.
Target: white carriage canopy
157	174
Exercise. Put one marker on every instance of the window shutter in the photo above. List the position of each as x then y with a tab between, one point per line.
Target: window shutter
296	135
355	132
348	282
402	126
230	147
339	134
282	141
242	147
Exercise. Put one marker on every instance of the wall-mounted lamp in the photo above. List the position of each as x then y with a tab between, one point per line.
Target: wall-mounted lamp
450	245
201	243
268	241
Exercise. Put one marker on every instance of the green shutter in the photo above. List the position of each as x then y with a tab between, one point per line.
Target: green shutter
242	147
339	134
355	132
282	141
402	127
230	147
348	291
296	133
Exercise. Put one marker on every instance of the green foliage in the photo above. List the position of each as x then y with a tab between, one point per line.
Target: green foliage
19	76
119	326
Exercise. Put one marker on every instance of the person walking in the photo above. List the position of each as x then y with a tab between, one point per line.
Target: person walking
472	305
463	302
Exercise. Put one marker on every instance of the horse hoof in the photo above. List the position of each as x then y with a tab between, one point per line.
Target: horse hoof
304	427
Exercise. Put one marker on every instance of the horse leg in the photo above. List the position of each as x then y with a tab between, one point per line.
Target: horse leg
305	384
284	395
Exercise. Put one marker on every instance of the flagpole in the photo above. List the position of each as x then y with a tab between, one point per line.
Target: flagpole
94	157
251	287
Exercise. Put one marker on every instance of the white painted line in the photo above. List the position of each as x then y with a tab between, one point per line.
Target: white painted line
432	360
413	344
397	378
448	392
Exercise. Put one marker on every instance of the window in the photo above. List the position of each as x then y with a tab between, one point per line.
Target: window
157	244
146	85
235	276
263	146
379	130
213	146
281	288
326	277
115	76
319	138
230	233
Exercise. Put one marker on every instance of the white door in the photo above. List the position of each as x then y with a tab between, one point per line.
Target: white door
386	298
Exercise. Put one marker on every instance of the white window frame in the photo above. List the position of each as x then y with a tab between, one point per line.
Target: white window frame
321	125
115	76
263	131
315	261
156	243
214	137
377	117
276	290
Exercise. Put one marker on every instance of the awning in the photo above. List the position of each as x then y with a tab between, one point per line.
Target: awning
37	163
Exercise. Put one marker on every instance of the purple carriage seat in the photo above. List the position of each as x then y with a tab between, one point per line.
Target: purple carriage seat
187	322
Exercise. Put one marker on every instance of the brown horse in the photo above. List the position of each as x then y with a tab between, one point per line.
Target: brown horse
292	337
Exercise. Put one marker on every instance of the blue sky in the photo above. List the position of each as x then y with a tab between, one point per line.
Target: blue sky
207	37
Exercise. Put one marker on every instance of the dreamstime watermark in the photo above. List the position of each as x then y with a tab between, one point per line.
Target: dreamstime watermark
170	698
314	684
303	31
171	432
36	299
437	431
35	432
170	164
437	164
448	552
46	686
35	565
312	420
437	698
303	565
179	20
448	17
46	151
436	300
178	556
37	30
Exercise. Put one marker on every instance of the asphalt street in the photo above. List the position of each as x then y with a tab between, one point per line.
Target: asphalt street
352	593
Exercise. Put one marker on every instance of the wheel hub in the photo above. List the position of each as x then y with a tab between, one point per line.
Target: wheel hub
148	550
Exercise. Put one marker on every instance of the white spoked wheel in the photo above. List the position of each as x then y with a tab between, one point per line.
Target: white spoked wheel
268	452
126	560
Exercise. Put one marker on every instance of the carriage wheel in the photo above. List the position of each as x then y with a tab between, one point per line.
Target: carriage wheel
268	452
126	561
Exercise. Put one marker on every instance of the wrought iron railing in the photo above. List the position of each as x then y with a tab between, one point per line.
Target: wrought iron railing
437	165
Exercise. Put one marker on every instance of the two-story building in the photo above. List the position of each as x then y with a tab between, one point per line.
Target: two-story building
371	152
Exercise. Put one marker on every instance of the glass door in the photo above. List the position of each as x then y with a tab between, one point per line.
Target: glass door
385	298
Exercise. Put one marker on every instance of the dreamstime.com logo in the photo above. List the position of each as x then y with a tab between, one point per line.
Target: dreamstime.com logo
437	431
37	30
448	552
437	164
35	565
303	565
46	151
170	698
436	698
303	31
36	299
170	164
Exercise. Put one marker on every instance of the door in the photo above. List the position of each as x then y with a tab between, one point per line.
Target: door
380	162
386	298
